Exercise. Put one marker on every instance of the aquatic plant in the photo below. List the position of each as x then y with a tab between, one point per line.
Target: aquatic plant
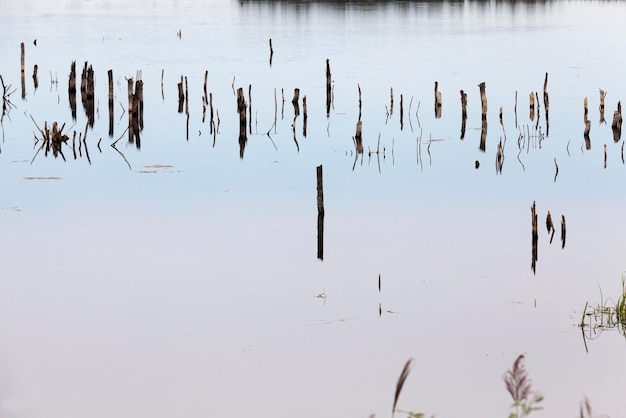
517	383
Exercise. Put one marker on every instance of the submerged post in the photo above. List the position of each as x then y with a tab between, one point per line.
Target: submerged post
328	88
483	100
22	71
241	109
463	113
437	101
110	74
320	214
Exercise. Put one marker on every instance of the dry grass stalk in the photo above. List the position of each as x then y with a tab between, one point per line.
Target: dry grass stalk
403	376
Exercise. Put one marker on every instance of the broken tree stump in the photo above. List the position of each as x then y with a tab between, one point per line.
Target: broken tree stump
483	101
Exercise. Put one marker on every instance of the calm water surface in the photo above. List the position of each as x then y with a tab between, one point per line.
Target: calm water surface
179	279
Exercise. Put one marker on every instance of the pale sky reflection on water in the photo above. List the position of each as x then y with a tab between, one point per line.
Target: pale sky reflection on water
186	285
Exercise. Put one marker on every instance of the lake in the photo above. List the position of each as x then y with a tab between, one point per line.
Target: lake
181	271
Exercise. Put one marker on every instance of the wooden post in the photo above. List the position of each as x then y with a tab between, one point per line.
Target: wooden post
110	74
483	101
531	98
602	96
241	109
181	96
205	97
391	103
294	102
360	102
211	121
250	107
586	115
72	89
320	213
546	104
328	88
563	231
463	113
22	71
483	135
271	52
437	101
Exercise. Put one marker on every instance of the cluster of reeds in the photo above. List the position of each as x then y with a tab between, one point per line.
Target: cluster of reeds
517	383
6	99
605	315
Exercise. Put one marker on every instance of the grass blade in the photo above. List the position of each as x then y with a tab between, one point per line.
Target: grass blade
405	373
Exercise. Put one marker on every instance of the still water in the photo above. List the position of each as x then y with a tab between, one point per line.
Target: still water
182	278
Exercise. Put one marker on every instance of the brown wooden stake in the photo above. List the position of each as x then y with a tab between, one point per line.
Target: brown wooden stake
328	88
320	213
294	102
72	89
463	113
271	52
605	156
391	103
22	72
212	122
602	96
531	98
437	101
483	135
586	134
483	101
241	109
563	231
181	95
111	112
586	104
500	117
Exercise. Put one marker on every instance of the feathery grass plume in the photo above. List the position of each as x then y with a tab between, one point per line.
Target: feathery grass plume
405	373
517	383
585	409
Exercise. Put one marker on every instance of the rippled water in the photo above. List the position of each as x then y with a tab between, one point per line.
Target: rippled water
181	279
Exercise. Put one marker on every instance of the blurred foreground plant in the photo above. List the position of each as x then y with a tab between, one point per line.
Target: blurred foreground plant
518	385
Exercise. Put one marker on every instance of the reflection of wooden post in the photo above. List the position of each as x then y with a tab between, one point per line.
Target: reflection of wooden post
463	113
602	96
22	72
320	214
531	98
358	139
328	88
35	80
304	116
483	136
535	237
241	109
483	100
401	112
616	126
110	74
586	134
437	101
546	103
181	96
294	102
72	89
